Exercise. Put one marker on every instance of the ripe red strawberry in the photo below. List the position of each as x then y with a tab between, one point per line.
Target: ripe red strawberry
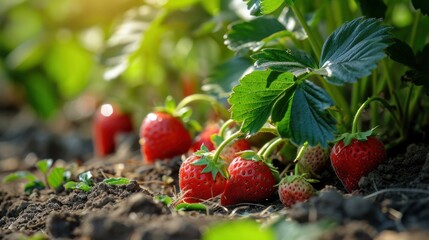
200	178
353	158
230	152
108	122
251	180
294	189
205	138
163	136
314	160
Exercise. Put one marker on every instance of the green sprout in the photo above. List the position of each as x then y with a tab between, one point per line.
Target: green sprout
53	177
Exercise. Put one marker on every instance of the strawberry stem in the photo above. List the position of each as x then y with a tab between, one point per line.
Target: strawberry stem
224	144
219	108
271	147
266	145
301	152
365	104
224	127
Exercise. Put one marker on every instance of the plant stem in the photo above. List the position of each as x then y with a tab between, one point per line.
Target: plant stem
414	29
266	145
365	104
225	143
373	107
315	46
205	98
317	50
224	127
301	152
407	108
270	149
338	98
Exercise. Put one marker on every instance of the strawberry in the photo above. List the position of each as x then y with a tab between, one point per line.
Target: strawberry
162	136
231	151
205	138
189	85
201	178
314	160
354	156
108	122
251	180
294	189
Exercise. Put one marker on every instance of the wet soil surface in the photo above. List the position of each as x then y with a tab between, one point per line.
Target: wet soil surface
392	203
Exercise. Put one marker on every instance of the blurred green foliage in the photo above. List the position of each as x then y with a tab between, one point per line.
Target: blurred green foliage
129	51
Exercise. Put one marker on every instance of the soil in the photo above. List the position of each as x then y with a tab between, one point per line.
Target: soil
392	203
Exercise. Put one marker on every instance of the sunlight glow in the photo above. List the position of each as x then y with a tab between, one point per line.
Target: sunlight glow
106	110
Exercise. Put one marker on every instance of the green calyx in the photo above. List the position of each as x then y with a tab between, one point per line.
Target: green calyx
297	177
360	136
211	166
181	112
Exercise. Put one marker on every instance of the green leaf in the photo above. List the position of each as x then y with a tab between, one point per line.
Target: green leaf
290	60
28	54
44	165
254	7
418	77
75	185
244	36
239	229
18	176
70	185
69	65
191	207
33	185
353	50
133	32
225	76
373	8
86	177
117	181
423	5
402	53
179	4
253	100
306	117
419	73
56	177
41	93
164	199
84	187
269	6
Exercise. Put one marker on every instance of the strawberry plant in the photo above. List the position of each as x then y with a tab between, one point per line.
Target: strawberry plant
86	183
308	86
279	88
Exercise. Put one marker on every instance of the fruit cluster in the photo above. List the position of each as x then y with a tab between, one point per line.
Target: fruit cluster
222	162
